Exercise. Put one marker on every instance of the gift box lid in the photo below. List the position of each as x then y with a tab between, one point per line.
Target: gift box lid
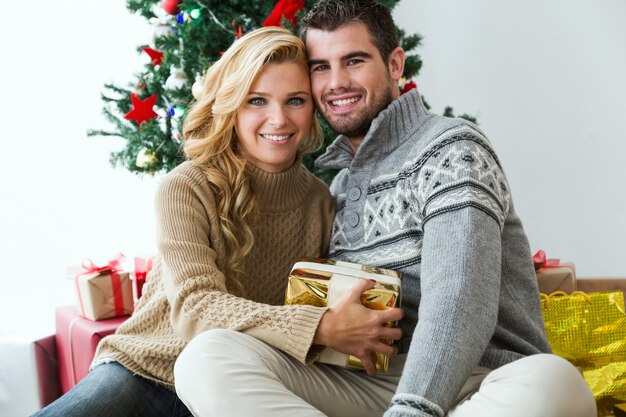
330	266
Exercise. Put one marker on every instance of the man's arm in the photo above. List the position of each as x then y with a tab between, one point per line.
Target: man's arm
458	311
463	199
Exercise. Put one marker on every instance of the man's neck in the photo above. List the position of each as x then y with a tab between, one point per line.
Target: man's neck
355	143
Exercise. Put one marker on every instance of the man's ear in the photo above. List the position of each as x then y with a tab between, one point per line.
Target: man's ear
396	63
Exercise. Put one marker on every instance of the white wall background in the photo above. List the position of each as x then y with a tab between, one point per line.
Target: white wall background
546	80
60	199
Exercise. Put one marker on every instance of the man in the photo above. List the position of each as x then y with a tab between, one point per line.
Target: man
424	195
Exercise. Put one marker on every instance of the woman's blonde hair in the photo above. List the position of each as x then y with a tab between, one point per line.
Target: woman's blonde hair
209	132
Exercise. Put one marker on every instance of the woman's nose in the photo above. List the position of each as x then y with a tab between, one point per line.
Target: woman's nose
278	117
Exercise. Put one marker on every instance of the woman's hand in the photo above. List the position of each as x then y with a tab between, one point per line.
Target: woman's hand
353	329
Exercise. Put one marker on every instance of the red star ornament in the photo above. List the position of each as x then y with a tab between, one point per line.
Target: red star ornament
142	109
155	56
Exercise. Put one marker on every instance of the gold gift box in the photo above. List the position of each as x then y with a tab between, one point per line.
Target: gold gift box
320	282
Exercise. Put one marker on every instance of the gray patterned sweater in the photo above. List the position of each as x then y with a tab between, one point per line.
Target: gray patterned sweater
426	195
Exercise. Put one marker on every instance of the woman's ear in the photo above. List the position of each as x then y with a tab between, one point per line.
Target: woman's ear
396	63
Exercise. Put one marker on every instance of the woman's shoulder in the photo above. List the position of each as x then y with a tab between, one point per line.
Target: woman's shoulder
187	169
187	174
315	184
186	178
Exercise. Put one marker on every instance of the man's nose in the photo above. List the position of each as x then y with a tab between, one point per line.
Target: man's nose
339	79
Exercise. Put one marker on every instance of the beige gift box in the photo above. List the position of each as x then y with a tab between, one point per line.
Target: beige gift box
102	295
320	282
557	278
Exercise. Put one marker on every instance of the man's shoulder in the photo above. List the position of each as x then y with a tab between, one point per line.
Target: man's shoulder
437	126
439	132
439	141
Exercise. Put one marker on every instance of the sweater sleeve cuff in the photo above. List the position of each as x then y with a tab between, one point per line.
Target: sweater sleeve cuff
407	405
303	330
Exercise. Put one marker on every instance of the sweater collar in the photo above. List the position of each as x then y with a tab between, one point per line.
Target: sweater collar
280	191
388	130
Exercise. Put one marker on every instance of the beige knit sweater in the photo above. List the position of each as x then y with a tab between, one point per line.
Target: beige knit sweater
186	292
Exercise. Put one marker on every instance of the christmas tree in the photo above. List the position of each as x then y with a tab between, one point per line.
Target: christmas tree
189	36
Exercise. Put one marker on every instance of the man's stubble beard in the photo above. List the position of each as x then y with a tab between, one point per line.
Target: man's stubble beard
357	125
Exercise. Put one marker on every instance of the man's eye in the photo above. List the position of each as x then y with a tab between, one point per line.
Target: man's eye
318	68
354	61
295	100
256	101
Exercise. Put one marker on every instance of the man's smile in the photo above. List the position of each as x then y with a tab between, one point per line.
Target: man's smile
344	103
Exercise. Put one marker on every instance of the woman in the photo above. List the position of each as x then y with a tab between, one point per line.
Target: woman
231	222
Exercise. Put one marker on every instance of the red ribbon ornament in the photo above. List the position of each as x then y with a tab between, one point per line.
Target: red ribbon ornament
286	8
142	269
237	29
408	86
112	269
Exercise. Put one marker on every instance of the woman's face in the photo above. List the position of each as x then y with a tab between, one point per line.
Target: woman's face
275	117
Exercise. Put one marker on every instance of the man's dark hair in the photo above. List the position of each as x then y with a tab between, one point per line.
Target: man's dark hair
328	15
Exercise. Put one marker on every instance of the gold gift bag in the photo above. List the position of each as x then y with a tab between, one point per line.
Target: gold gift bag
320	282
589	330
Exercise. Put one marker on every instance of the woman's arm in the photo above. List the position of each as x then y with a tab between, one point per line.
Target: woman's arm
196	286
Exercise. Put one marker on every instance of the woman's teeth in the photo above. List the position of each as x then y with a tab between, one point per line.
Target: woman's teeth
276	138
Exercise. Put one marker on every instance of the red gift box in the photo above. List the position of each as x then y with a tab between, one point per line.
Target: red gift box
47	370
77	339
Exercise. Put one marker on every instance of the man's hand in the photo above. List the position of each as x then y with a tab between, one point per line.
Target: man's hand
351	328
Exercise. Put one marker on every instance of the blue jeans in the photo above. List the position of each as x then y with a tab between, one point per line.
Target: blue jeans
110	390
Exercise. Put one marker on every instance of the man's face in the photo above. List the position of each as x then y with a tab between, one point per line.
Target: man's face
350	82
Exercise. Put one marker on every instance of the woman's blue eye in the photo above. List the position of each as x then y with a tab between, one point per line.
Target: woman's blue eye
295	100
256	101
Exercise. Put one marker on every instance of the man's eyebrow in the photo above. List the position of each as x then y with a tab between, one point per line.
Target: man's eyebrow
317	62
347	57
357	54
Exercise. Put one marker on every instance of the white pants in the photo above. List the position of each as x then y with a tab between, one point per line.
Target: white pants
226	373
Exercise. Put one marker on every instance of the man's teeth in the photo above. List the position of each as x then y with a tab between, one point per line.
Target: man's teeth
276	137
345	102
